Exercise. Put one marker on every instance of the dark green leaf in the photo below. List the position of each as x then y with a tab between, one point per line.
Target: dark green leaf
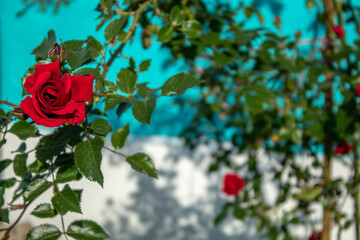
37	167
44	210
4	164
66	159
96	48
179	83
42	50
100	126
112	101
111	86
144	65
35	189
165	34
119	137
146	92
19	165
2	191
177	16
126	81
21	148
86	230
88	72
44	232
4	215
67	173
73	44
192	28
66	201
88	159
78	57
7	183
142	163
142	110
114	27
23	130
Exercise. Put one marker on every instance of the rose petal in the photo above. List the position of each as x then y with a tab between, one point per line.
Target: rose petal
41	80
53	67
79	114
29	83
28	108
81	88
66	81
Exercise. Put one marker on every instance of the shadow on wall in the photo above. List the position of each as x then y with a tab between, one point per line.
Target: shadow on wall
156	212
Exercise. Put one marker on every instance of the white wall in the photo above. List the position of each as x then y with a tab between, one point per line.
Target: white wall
181	205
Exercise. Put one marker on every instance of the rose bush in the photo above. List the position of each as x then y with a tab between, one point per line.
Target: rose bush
56	99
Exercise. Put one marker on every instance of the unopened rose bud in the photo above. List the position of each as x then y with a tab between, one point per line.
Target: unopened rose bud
57	53
19	113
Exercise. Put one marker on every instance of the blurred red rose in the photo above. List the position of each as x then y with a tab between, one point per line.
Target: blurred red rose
56	99
233	184
357	90
316	236
339	31
343	148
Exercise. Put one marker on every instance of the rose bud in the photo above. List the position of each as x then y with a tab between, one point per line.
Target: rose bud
339	31
233	184
57	53
343	148
19	113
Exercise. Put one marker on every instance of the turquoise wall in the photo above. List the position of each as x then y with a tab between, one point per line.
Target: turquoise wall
19	36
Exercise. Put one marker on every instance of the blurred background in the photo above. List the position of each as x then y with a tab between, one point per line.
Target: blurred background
184	201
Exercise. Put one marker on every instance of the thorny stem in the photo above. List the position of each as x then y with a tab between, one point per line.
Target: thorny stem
8	103
8	230
131	31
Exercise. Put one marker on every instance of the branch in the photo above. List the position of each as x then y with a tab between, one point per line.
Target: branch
8	230
8	103
131	31
113	151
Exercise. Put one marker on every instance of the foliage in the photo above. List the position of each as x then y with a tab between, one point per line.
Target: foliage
71	152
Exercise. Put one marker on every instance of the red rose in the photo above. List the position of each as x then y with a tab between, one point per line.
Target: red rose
343	148
339	31
357	90
56	100
233	184
315	236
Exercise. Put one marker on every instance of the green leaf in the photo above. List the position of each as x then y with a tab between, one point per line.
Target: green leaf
100	126
19	165
88	72
86	230
55	143
24	130
66	159
78	57
112	101
146	92
35	189
68	173
192	28
88	159
142	110
2	191
37	167
7	183
144	65
96	48
73	44
44	232
4	216
44	210
114	27
126	81
177	16
42	50
179	83
119	137
4	164
142	163
309	194
66	201
165	34
111	86
21	148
